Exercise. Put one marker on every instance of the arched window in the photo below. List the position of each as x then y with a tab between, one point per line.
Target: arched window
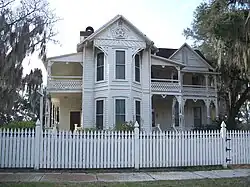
100	67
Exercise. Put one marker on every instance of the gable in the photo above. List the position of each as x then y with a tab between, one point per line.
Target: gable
120	30
190	58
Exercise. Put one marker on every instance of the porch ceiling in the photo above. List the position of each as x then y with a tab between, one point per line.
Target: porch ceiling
66	95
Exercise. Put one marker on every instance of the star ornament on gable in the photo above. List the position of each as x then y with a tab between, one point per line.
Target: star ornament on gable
120	32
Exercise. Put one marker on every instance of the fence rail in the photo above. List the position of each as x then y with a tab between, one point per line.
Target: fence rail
107	149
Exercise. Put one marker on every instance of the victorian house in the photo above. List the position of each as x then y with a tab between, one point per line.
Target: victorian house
118	75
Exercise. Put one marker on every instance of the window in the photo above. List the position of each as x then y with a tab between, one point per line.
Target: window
120	111
138	111
176	115
137	68
99	114
100	67
120	64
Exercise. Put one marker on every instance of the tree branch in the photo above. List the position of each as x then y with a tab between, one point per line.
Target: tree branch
244	96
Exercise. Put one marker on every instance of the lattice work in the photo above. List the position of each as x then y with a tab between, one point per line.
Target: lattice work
165	87
65	85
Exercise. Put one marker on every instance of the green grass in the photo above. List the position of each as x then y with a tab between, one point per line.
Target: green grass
229	182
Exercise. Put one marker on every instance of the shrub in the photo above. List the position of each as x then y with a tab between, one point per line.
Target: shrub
19	124
127	126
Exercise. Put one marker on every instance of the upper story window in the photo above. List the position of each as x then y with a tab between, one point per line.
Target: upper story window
100	67
120	64
137	68
120	114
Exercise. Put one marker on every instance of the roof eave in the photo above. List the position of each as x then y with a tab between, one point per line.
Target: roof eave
169	60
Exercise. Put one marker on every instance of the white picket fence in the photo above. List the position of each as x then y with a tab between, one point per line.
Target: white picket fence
108	149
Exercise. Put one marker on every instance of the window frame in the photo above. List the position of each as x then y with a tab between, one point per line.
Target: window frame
104	68
103	112
125	66
135	112
135	67
125	113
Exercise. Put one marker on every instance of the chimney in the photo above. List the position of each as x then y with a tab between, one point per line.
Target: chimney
84	34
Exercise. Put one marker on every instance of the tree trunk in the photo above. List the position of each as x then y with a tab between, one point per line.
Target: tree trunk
231	122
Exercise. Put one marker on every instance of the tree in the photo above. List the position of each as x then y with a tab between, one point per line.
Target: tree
26	26
221	30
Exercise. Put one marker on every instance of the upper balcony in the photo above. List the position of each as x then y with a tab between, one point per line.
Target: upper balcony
64	76
166	81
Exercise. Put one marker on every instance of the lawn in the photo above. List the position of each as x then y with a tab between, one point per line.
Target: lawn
229	182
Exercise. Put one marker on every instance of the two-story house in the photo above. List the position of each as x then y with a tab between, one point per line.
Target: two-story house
119	75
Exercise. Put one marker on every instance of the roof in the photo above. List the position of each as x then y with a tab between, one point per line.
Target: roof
168	60
168	52
165	52
89	38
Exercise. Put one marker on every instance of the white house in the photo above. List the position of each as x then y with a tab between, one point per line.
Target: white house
119	75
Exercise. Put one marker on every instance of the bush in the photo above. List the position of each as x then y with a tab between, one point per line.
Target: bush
19	124
127	126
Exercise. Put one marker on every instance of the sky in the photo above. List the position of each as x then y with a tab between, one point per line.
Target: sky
163	21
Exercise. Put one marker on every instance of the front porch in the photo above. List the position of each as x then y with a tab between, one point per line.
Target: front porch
64	110
180	113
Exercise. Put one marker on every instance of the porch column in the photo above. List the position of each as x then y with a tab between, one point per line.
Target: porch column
53	115
180	74
216	109
215	83
49	70
208	111
181	111
173	111
47	113
206	79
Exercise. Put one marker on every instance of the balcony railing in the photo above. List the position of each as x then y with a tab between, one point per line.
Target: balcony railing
65	83
173	86
165	85
198	90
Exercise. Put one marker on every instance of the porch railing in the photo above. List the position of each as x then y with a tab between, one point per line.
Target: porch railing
165	85
65	83
199	90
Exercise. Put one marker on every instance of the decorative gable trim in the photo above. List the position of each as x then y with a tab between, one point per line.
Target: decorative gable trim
118	32
190	48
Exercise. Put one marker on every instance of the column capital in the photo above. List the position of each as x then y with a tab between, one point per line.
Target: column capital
207	102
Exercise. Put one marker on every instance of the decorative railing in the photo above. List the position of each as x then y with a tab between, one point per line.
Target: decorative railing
198	90
66	84
173	86
165	85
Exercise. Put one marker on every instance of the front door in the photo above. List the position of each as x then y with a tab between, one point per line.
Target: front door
75	118
197	117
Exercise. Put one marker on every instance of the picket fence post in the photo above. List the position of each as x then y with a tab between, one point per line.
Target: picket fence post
37	144
223	132
137	143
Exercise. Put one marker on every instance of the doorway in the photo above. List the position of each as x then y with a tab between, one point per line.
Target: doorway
75	118
197	117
